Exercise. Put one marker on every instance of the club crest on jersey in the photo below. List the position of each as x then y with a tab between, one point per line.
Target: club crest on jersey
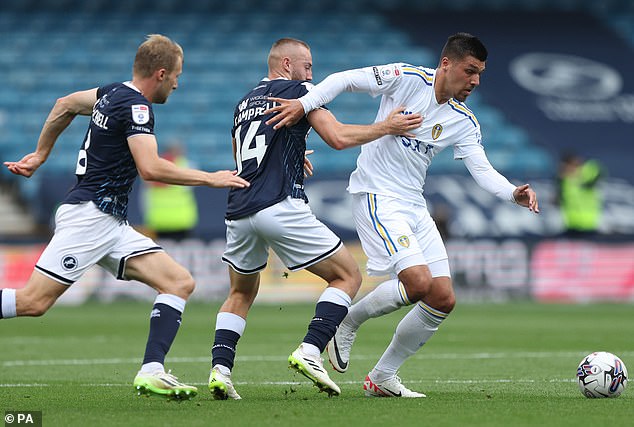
140	114
69	262
436	131
403	241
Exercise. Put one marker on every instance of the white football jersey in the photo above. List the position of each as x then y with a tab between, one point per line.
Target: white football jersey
397	166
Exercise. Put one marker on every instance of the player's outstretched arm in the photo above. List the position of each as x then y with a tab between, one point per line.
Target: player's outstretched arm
151	167
340	136
495	183
60	116
226	178
525	196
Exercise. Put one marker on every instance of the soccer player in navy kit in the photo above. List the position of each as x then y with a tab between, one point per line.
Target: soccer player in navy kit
90	224
273	213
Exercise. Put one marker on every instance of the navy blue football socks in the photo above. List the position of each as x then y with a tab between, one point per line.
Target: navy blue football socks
164	324
322	327
224	350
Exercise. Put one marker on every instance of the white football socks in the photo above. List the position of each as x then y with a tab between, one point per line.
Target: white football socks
8	308
385	298
412	332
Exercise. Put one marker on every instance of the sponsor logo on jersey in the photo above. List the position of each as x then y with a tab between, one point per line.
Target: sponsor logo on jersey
377	76
436	131
403	241
140	114
69	262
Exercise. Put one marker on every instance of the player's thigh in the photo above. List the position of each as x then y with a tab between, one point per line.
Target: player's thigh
431	243
38	295
294	233
339	269
83	236
386	229
246	252
161	272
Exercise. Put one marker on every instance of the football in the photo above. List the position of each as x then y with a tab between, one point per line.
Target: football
602	374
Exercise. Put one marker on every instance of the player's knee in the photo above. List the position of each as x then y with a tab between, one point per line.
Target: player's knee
446	303
35	308
417	288
184	285
352	280
356	279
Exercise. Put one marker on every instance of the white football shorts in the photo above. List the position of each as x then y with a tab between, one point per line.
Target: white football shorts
85	236
289	228
396	234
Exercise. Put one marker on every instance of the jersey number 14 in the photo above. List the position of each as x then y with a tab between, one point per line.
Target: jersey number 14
244	149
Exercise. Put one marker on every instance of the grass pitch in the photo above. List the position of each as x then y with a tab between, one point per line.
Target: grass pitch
489	365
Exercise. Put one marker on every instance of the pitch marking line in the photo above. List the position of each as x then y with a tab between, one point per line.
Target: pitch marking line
276	359
287	383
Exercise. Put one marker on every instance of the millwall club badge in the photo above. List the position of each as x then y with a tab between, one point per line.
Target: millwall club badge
140	114
436	131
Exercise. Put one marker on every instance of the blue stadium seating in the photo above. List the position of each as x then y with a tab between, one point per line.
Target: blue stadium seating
48	49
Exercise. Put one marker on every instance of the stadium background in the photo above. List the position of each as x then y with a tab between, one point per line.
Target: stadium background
557	80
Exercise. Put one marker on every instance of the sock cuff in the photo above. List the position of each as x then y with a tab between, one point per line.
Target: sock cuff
335	296
434	316
231	322
402	293
7	303
177	303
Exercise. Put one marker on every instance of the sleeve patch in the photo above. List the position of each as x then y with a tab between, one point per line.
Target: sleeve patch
140	114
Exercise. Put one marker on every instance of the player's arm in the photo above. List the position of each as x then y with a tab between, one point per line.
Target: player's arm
491	180
290	111
340	136
60	116
152	167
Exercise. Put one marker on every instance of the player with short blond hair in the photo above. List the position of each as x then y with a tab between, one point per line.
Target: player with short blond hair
91	225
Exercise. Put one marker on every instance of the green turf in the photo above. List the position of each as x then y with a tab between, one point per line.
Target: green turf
489	365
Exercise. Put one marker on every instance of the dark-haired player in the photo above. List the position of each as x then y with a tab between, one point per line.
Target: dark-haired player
390	212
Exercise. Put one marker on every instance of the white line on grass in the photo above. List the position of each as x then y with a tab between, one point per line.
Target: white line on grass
286	383
276	359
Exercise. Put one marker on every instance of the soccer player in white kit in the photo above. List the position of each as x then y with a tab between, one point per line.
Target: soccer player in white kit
91	224
395	228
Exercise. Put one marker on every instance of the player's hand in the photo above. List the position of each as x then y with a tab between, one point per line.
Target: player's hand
399	124
287	113
308	166
226	178
525	196
26	166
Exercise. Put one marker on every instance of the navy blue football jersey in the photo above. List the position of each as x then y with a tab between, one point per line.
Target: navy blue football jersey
271	160
105	167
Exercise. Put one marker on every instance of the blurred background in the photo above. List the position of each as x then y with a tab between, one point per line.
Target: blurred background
556	107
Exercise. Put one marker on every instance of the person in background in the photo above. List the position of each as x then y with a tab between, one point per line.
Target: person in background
579	195
170	211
